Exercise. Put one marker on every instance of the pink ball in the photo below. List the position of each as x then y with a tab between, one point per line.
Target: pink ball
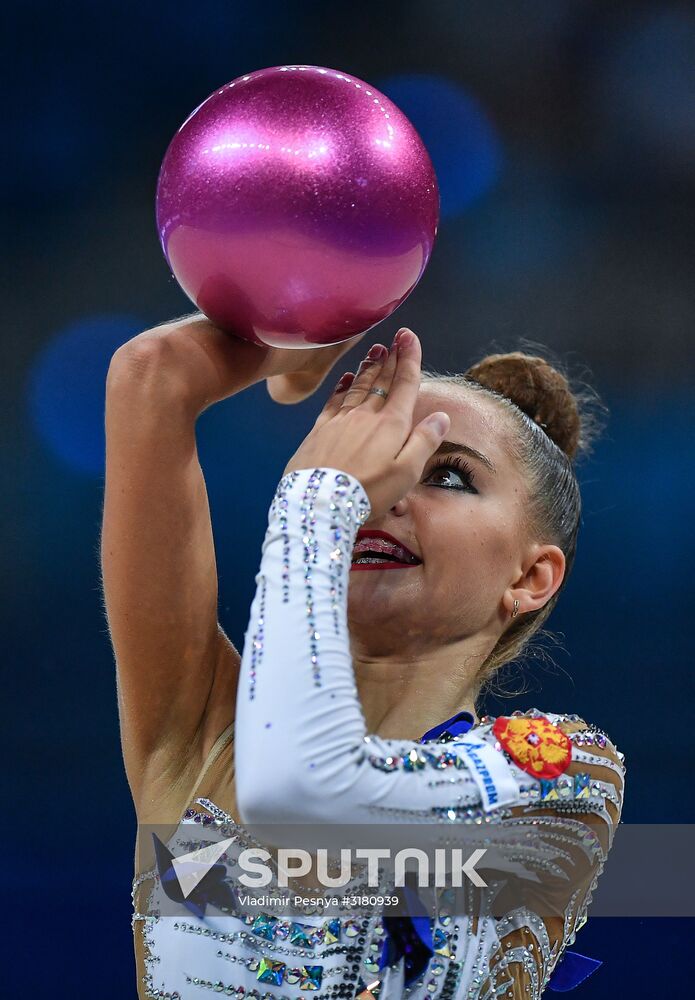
297	206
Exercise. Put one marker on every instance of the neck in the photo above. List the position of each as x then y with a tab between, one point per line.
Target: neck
403	696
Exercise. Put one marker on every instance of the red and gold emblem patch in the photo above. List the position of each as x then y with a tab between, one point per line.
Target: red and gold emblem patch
535	744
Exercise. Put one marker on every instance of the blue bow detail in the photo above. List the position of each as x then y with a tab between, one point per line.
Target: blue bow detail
571	970
457	724
212	889
411	937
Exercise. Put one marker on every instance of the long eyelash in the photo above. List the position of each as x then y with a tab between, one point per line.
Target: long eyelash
461	467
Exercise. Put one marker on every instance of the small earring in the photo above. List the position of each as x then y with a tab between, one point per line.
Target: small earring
515	609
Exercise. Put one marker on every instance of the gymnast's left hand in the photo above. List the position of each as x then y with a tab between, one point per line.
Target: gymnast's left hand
371	437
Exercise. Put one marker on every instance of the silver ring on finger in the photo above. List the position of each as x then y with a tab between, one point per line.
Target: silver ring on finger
379	392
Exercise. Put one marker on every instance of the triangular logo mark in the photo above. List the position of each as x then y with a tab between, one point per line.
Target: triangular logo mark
192	868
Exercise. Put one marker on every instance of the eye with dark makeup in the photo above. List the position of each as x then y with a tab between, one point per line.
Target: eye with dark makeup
461	468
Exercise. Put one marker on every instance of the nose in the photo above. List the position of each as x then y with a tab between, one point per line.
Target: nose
400	506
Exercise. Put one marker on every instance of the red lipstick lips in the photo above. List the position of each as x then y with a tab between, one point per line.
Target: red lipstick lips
379	550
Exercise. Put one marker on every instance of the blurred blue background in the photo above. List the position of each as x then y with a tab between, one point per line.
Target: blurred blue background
563	134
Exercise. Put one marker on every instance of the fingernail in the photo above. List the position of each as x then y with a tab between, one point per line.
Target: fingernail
440	422
405	338
344	382
377	352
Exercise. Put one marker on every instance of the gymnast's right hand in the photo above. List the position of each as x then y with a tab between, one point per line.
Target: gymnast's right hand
367	430
210	365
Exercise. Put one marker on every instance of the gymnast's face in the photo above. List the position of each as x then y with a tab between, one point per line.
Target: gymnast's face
465	523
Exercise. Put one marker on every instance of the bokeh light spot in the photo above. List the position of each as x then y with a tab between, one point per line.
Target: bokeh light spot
460	138
65	390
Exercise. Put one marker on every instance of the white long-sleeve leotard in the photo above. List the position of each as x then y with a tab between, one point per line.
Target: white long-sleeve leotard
303	755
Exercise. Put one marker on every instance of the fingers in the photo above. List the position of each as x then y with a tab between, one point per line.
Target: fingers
379	376
383	378
423	442
405	382
429	433
375	371
335	400
367	373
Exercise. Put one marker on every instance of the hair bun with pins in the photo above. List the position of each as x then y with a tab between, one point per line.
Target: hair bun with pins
540	390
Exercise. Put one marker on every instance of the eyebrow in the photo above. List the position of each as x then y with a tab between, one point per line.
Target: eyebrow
447	447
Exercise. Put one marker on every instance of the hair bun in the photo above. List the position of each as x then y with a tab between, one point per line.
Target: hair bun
540	390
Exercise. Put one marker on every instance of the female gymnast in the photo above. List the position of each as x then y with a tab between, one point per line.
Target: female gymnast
354	700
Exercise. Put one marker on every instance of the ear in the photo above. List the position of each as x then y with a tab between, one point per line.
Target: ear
543	572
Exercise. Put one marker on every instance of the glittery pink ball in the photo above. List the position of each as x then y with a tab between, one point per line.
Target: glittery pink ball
297	206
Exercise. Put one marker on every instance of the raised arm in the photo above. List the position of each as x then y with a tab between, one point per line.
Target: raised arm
176	669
